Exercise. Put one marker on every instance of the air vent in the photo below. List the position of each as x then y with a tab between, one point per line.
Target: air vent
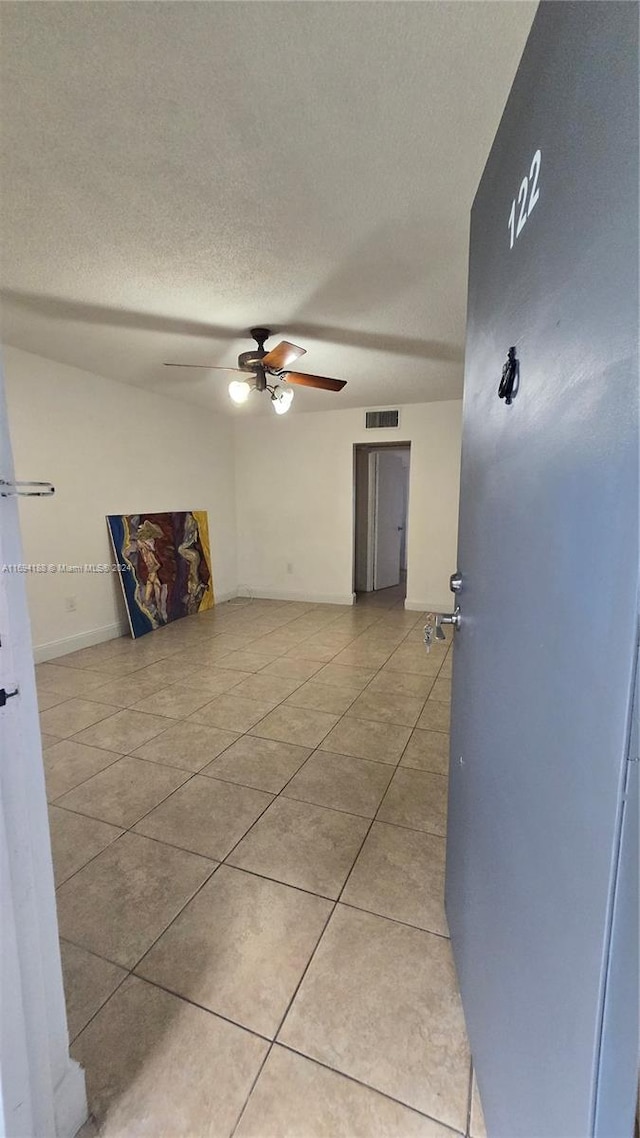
376	419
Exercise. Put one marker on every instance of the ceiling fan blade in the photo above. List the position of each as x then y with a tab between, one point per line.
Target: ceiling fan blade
282	355
209	367
320	381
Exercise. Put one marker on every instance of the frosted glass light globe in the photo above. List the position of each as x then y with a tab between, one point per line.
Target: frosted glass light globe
239	390
282	400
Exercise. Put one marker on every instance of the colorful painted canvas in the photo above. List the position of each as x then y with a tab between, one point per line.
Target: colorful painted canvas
166	566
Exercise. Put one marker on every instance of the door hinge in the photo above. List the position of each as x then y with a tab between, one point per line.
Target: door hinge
26	489
5	695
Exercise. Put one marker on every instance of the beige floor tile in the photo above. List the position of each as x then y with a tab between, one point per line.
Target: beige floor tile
217	681
278	642
380	1002
364	739
207	655
344	676
477	1126
176	702
238	642
249	660
322	697
300	670
240	948
72	716
295	725
126	664
303	845
158	1067
75	840
387	707
48	699
265	764
232	712
124	731
435	717
297	1098
415	659
263	686
417	799
400	874
341	783
126	691
441	690
88	657
66	681
67	764
119	904
167	672
363	656
124	792
187	745
49	740
206	816
427	751
402	683
316	653
88	982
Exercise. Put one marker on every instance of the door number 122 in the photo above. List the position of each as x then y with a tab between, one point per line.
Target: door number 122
525	207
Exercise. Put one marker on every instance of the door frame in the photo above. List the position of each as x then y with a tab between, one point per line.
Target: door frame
42	1090
364	542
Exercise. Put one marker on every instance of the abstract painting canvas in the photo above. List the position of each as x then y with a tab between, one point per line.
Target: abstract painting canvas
165	564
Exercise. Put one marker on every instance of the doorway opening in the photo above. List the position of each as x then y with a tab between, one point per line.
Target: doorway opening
381	507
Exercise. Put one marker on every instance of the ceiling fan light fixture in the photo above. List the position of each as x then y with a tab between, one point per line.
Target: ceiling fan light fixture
282	398
239	390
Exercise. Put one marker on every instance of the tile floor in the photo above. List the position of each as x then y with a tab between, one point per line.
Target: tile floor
248	811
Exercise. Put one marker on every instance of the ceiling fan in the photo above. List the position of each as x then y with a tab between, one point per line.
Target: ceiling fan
259	364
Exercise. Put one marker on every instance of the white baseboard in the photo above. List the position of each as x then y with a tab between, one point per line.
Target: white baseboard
55	648
70	1102
310	598
428	606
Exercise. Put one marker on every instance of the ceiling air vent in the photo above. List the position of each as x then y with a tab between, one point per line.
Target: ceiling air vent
376	419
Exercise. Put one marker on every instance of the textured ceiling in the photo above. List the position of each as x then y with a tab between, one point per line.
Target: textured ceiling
174	173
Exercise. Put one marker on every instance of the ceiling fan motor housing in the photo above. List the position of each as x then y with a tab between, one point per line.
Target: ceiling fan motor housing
250	360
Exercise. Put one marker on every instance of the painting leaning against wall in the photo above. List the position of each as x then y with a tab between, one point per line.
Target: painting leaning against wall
166	560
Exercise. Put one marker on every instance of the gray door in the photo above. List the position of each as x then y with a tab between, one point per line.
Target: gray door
548	552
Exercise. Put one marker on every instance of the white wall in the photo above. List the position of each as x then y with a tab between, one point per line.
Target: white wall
108	448
294	483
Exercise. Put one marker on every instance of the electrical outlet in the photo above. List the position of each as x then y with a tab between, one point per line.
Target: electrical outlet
70	604
289	566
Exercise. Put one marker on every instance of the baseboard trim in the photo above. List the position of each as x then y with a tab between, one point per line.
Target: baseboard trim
55	648
70	1102
309	598
427	606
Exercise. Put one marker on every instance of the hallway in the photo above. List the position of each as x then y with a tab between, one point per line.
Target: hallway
248	812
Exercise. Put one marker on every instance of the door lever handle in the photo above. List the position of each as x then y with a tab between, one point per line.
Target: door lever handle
433	628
